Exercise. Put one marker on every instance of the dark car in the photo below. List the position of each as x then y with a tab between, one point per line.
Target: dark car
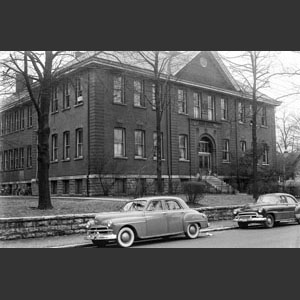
146	218
269	209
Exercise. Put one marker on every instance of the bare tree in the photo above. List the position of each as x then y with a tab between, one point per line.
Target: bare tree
39	70
252	68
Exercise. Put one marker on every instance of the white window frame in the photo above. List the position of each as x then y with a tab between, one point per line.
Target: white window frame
66	145
183	147
226	151
119	142
138	93
182	101
118	89
54	147
79	143
224	109
197	105
139	144
211	108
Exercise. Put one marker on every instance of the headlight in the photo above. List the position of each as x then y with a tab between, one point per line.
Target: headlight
260	210
90	223
109	223
236	211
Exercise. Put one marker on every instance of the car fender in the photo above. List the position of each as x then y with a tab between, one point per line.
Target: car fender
194	217
297	211
137	224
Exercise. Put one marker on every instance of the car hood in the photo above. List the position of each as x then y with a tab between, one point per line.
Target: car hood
99	218
255	207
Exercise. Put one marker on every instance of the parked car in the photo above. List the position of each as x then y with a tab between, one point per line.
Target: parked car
269	209
146	218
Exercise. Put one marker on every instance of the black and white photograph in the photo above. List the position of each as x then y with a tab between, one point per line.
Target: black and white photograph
149	149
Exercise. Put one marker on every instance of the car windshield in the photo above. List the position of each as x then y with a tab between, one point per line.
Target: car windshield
267	199
134	206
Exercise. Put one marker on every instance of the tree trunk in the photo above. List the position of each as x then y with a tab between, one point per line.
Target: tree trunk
43	135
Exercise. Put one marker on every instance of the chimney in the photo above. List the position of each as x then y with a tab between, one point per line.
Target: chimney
20	83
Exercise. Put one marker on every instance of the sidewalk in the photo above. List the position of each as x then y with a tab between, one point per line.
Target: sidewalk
78	241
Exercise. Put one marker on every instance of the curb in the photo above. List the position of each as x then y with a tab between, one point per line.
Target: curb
89	245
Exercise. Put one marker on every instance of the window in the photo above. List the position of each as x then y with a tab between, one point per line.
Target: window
12	125
224	109
78	91
6	161
225	150
197	105
66	186
29	156
17	121
243	146
155	145
22	118
264	116
173	205
78	186
204	147
29	117
265	157
183	147
211	108
79	143
1	161
54	187
3	125
139	136
66	95
119	142
138	95
16	156
54	102
21	155
66	145
242	112
182	101
54	148
11	159
118	87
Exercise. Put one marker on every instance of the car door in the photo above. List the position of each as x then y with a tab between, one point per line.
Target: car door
281	210
291	203
175	215
156	219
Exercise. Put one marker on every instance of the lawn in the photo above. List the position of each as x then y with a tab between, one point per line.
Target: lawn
27	206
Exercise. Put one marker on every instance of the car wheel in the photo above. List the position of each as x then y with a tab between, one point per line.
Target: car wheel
243	225
298	220
192	231
99	243
125	237
270	221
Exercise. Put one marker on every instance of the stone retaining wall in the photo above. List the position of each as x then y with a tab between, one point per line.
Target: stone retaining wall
34	227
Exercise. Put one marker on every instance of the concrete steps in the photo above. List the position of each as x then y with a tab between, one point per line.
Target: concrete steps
217	185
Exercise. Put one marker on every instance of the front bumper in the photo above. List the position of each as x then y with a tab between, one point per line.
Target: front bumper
249	219
97	234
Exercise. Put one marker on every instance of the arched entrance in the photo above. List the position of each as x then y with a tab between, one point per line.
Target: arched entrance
206	154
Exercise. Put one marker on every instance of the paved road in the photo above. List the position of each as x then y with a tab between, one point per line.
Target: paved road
282	236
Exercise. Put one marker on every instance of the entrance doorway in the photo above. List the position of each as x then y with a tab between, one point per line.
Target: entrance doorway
206	159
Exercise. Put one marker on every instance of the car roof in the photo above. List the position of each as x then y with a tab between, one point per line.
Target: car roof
277	194
158	198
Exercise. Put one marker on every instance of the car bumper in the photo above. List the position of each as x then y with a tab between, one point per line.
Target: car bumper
249	219
97	236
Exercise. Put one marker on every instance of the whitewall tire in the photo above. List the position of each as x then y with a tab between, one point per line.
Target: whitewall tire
125	237
192	231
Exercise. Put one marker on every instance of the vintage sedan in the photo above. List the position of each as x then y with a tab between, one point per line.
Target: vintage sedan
269	209
144	218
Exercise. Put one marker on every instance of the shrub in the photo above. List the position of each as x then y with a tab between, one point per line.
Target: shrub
194	190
